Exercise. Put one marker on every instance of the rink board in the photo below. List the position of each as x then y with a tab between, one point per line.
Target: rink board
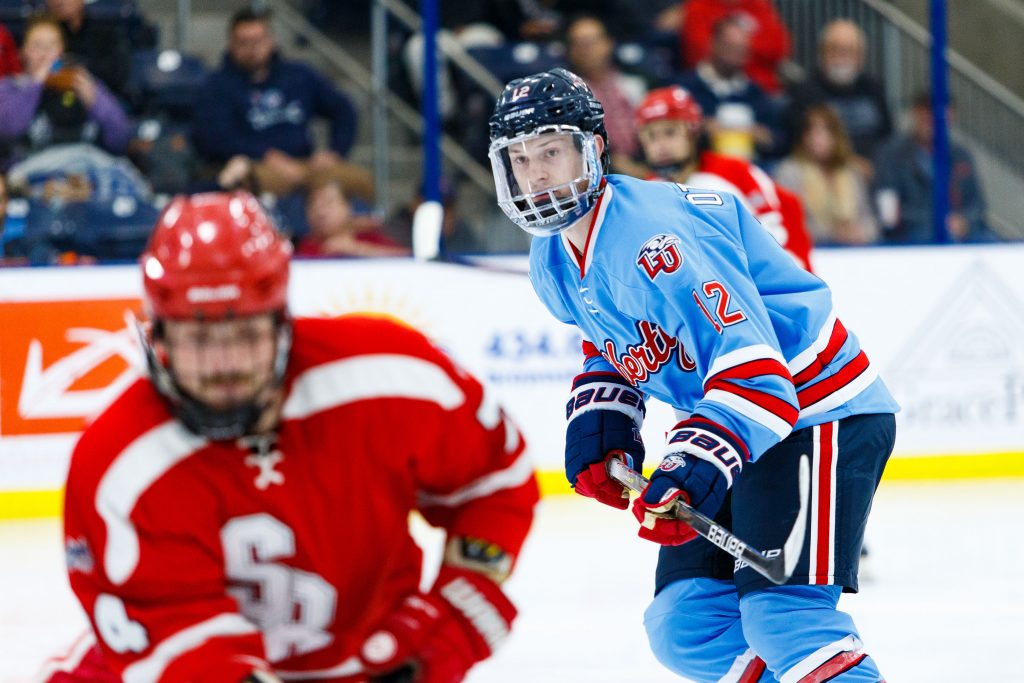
943	326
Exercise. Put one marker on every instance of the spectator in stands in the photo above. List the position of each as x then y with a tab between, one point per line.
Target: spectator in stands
335	230
670	122
259	106
840	81
54	102
769	39
590	53
906	178
102	47
822	172
720	79
10	64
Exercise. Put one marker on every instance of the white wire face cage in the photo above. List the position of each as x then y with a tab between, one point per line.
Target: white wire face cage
546	179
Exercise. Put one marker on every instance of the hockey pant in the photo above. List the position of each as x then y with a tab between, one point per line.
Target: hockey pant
701	629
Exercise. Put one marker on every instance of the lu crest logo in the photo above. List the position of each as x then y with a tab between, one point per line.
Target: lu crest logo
660	254
654	351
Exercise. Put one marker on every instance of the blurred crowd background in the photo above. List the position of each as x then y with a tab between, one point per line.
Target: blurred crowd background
110	107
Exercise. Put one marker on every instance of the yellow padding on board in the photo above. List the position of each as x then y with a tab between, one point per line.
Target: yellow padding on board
31	504
930	467
35	504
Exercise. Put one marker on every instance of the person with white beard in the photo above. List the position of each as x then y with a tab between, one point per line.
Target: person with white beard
840	81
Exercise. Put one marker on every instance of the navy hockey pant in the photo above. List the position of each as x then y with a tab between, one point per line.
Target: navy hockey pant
714	619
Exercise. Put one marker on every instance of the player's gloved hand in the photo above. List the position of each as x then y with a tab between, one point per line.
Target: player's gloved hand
604	416
699	465
436	637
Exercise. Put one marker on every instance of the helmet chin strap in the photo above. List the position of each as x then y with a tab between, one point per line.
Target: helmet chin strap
227	423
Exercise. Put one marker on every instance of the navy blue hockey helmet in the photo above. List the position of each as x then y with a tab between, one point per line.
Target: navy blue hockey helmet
546	163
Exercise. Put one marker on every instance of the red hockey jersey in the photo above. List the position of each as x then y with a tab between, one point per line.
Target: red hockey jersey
195	560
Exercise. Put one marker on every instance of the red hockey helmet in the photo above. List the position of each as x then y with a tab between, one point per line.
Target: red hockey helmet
213	256
673	103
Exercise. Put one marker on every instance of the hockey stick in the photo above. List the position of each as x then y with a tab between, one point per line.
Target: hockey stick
776	569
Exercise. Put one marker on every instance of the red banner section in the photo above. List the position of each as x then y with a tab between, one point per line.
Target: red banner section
62	362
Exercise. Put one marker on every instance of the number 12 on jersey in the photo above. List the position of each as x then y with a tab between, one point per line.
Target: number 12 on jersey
715	290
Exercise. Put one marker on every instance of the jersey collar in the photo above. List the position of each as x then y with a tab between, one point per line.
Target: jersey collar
596	221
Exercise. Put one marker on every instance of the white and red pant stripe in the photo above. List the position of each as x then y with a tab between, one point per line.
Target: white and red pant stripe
822	536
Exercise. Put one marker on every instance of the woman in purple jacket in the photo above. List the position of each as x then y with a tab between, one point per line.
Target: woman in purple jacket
53	103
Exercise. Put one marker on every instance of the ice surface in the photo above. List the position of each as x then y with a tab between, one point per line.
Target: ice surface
942	599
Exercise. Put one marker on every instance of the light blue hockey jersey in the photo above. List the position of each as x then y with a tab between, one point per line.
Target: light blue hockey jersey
683	293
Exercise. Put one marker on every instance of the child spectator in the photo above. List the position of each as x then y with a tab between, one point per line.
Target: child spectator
334	230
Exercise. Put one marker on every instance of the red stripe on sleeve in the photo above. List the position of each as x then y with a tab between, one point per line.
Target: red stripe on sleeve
848	373
835	342
773	404
754	368
590	350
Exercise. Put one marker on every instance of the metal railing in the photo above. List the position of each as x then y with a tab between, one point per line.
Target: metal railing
989	117
296	24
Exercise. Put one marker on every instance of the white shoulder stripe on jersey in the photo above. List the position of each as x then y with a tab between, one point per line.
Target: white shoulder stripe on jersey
510	477
512	437
807	356
751	411
349	667
370	376
766	185
489	412
150	668
841	396
850	643
132	472
741	356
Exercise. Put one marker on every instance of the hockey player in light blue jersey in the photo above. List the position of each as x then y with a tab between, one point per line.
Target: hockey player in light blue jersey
682	295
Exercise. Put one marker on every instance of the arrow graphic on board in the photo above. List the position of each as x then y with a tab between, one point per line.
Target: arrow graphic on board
45	393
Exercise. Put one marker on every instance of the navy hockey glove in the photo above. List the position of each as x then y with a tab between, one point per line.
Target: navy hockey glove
605	414
700	463
436	637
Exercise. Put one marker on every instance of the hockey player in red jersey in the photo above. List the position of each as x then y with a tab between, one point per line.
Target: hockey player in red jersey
669	122
241	514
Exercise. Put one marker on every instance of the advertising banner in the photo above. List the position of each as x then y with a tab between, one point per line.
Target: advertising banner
944	327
